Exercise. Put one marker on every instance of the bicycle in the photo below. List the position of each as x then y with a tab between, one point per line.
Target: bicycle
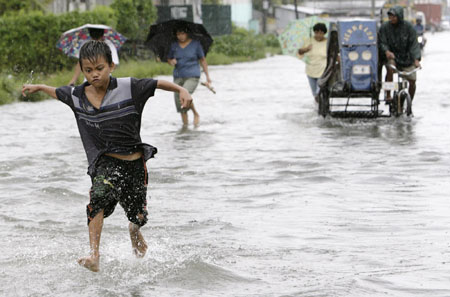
401	102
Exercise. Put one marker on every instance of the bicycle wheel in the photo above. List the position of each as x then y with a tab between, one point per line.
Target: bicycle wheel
401	104
394	105
406	104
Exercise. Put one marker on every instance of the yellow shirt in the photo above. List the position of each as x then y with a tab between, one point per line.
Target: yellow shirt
316	58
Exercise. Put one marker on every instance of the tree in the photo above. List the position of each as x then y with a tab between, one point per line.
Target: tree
134	18
16	6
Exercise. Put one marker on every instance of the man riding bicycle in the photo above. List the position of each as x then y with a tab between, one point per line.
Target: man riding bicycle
398	43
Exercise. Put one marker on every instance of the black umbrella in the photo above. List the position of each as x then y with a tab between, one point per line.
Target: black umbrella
162	35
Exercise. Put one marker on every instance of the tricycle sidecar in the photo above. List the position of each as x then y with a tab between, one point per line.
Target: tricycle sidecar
350	85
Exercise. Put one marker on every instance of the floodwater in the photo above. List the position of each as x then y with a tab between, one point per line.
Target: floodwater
265	198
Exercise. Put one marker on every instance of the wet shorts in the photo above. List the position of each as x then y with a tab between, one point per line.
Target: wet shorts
190	84
118	181
408	69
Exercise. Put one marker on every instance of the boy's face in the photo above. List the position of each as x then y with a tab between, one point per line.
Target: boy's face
97	72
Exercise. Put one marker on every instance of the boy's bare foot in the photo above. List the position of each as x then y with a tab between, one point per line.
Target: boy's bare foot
196	119
91	262
137	241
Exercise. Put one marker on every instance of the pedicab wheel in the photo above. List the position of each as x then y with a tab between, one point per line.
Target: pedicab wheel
407	105
324	106
401	104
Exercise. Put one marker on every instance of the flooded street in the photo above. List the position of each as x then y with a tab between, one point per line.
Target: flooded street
265	198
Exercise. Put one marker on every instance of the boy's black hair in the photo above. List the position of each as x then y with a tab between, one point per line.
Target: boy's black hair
93	49
320	27
95	33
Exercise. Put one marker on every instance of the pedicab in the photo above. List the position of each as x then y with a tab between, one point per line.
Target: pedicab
351	83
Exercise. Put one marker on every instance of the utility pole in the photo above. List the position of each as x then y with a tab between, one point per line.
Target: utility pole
296	10
265	5
372	12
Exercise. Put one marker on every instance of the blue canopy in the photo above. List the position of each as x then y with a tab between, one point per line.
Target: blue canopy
359	53
357	32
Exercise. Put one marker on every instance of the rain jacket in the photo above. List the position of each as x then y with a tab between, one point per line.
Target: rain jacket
401	39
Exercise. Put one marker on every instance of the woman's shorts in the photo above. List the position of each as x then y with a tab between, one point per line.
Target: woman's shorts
118	181
190	84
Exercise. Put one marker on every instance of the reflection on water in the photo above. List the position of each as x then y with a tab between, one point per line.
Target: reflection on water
264	198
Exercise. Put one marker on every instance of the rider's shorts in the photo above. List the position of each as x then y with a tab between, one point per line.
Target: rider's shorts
408	69
119	181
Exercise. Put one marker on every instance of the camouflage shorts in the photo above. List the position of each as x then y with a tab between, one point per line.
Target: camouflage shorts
118	181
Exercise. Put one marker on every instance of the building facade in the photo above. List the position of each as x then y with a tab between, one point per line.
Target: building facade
241	10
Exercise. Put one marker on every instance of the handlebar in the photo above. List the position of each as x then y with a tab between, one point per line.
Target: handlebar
403	73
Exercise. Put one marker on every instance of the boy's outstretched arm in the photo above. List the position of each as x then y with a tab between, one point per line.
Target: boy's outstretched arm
185	97
27	88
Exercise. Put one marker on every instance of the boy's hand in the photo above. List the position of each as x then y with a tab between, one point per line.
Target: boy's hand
30	89
172	62
185	98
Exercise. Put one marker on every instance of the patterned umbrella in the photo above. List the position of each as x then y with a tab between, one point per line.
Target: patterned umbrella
71	41
297	34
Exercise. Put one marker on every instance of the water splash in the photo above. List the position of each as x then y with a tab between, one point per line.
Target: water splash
30	77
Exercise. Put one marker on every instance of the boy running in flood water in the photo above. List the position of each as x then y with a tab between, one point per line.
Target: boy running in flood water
108	113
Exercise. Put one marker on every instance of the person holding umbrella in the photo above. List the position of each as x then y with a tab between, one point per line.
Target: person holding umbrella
316	50
95	34
186	55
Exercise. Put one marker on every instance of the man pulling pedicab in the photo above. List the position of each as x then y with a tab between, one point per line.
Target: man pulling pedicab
398	43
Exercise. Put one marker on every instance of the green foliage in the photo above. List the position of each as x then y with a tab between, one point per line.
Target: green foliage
10	7
142	69
134	17
244	43
7	89
28	40
215	58
271	40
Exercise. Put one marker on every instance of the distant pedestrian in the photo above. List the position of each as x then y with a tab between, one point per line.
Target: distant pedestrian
316	52
186	55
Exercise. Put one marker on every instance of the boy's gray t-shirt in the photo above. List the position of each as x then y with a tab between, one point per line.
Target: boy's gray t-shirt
187	59
115	126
